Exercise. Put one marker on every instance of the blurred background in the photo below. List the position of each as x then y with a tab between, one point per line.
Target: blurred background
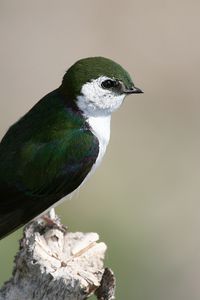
144	200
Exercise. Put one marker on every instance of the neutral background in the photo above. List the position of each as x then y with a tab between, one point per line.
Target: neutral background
144	200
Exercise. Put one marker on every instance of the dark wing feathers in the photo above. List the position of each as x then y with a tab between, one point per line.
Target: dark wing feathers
43	157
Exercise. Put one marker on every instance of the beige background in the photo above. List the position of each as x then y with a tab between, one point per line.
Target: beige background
145	199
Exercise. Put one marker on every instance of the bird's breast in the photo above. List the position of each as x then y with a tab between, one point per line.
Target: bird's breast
100	127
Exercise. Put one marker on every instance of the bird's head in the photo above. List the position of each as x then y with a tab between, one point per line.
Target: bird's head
98	85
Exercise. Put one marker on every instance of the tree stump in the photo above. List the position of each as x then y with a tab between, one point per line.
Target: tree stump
55	264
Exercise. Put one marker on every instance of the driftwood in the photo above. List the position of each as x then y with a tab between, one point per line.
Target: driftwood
55	264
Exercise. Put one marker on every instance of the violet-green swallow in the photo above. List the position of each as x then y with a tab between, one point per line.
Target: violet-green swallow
53	148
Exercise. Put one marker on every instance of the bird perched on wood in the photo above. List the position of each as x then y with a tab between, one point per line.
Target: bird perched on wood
53	148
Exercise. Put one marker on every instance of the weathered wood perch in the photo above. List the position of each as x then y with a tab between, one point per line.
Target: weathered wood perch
54	264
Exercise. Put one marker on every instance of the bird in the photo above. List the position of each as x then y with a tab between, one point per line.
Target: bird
53	149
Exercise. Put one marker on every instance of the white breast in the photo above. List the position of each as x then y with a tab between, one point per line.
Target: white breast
100	127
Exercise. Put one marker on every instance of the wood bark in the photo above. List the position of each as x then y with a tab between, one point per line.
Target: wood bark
55	264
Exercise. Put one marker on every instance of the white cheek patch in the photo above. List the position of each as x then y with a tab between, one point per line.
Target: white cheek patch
95	100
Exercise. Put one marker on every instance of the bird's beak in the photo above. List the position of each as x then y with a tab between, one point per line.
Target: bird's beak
133	90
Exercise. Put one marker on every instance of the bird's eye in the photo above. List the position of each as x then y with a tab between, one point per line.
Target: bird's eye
108	84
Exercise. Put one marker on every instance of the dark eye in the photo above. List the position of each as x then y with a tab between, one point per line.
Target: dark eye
108	84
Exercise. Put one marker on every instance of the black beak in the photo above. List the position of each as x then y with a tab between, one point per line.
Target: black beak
133	90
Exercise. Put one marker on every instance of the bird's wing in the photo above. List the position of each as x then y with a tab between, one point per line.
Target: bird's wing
45	174
41	161
57	168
